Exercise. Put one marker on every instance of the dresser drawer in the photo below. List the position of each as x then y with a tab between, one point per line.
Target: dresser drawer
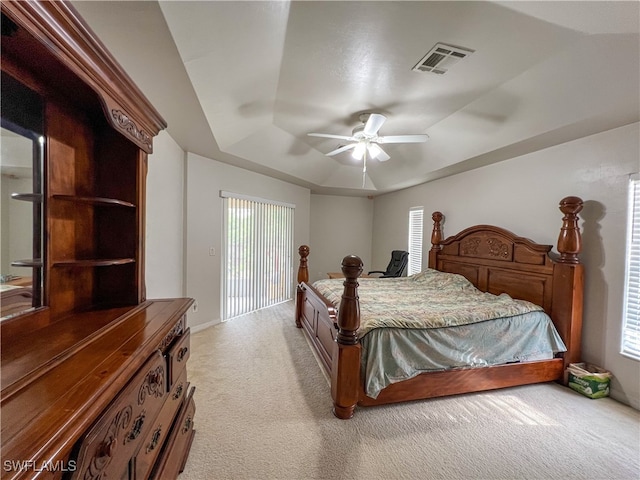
157	436
105	450
177	357
178	443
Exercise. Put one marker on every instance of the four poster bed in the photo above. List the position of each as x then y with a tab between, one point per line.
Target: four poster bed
525	323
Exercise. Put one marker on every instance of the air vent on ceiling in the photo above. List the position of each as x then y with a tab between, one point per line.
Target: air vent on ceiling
441	58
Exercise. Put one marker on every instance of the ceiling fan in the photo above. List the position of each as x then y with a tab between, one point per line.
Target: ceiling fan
365	139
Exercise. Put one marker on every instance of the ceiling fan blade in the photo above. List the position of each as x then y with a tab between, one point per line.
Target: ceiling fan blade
376	152
373	124
344	148
403	138
329	135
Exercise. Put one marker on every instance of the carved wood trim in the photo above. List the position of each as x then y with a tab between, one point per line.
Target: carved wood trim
59	27
107	448
153	384
497	248
122	121
176	331
494	243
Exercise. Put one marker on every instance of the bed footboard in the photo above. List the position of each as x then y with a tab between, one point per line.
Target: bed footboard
319	320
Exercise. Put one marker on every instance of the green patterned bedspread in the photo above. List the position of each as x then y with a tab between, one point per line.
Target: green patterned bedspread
427	300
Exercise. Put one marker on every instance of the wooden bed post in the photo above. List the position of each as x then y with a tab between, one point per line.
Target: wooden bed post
303	276
436	238
345	371
569	240
303	270
568	280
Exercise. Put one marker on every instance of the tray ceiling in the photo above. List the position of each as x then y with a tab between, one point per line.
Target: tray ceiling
244	82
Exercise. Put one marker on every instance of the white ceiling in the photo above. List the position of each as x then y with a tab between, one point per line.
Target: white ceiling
244	82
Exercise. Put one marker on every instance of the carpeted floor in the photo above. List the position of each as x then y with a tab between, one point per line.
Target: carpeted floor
264	412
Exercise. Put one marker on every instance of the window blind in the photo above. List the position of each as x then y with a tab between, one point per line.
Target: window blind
416	215
258	254
631	329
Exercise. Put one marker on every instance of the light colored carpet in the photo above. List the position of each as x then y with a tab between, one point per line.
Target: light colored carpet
264	412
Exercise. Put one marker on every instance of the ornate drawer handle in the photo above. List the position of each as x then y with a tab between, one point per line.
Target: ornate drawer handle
154	378
181	353
188	423
106	448
178	393
153	385
155	438
136	429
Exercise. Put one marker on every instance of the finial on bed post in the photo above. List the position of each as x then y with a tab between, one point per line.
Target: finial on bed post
436	238
303	270
345	371
569	240
349	312
436	234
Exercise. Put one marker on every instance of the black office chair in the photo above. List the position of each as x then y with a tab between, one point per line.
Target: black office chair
398	263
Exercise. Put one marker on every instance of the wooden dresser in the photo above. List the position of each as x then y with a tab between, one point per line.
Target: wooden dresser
93	374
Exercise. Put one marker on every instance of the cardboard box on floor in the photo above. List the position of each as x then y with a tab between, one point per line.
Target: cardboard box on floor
590	380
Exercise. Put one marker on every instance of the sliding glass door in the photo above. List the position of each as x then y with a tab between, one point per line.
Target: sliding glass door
258	254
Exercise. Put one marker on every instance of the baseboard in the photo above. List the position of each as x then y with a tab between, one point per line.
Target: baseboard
202	326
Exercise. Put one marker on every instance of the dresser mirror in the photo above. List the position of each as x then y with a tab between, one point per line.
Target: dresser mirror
21	167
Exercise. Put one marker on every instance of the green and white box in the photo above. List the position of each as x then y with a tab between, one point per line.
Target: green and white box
589	380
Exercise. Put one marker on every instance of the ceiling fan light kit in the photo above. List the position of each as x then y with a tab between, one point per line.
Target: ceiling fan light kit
376	152
358	151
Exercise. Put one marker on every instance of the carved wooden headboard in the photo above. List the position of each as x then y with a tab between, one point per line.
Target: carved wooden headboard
497	261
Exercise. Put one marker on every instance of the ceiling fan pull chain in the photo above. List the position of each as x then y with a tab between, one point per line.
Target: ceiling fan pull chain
364	168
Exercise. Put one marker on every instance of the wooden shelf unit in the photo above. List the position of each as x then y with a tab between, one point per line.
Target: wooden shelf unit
27	197
107	202
93	262
35	262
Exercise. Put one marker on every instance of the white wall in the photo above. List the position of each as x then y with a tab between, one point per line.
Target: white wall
165	218
341	226
205	178
522	195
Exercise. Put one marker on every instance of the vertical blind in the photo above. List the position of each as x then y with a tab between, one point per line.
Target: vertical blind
631	330
415	240
258	254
